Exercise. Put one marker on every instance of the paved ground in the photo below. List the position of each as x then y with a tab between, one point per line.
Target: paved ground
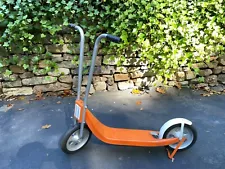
24	145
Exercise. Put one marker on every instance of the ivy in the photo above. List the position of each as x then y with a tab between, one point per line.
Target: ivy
167	33
170	33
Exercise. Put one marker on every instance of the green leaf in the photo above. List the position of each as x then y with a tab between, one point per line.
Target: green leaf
6	44
7	73
35	19
10	1
25	66
43	35
25	49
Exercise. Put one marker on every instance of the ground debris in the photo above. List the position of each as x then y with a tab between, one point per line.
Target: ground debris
160	90
39	95
47	126
9	105
136	91
211	92
6	108
138	102
178	85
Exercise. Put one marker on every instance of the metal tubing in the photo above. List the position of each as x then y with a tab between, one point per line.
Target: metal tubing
181	131
90	76
82	41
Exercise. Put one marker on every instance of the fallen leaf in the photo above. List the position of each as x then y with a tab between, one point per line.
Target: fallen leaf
21	109
9	105
160	90
67	92
39	95
206	94
51	94
135	91
178	85
21	98
207	89
138	102
47	126
58	102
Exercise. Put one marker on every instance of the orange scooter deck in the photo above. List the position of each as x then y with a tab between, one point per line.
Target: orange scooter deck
119	136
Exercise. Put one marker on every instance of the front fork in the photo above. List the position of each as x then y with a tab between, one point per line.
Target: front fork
78	113
182	140
181	131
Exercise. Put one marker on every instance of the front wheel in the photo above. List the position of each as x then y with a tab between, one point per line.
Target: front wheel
71	141
189	133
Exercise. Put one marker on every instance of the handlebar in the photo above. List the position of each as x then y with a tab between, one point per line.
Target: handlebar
113	38
73	25
91	71
81	58
110	37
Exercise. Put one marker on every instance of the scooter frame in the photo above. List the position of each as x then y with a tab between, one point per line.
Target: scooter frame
118	136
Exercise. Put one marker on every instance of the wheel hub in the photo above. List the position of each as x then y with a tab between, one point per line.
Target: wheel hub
75	142
175	133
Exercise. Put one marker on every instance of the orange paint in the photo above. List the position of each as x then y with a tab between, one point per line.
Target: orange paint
118	136
176	149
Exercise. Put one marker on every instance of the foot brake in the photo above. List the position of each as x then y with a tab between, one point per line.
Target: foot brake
171	155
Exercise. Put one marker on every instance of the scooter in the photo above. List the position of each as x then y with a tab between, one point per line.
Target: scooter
175	135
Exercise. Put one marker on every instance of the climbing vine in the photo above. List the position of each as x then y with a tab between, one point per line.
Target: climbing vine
167	33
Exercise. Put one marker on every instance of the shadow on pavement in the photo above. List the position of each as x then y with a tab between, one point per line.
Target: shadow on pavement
36	156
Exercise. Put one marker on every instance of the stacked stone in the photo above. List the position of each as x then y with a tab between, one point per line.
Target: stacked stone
133	72
213	74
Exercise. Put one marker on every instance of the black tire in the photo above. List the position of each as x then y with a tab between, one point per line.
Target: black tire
191	128
66	136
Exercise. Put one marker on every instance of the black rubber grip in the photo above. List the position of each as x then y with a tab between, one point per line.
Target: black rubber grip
72	25
113	38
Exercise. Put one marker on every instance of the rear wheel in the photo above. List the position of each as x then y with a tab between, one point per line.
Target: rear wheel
71	141
189	133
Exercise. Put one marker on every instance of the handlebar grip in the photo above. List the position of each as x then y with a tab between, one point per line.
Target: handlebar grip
113	38
72	25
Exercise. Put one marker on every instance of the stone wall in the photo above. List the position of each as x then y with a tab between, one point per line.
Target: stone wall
210	75
107	76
